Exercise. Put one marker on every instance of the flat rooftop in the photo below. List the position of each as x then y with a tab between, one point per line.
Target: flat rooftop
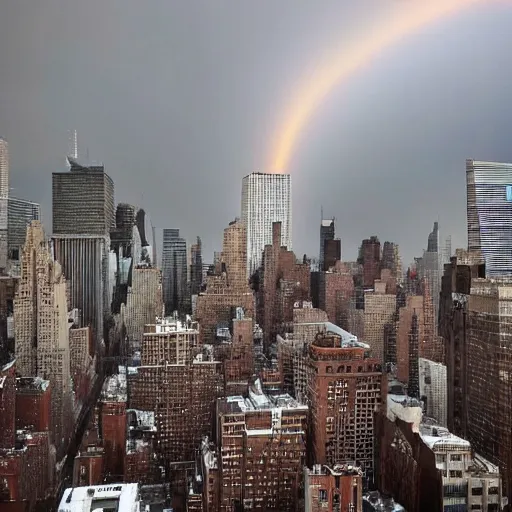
258	401
439	438
120	497
405	400
31	384
169	325
115	388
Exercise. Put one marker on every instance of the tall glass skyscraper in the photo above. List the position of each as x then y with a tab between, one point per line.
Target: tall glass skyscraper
266	198
20	214
489	214
174	272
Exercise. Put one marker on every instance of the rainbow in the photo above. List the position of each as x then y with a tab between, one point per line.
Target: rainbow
354	57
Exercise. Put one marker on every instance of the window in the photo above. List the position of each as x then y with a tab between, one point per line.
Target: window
455	474
322	495
456	457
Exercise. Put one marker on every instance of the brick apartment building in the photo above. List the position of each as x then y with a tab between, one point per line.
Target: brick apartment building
262	444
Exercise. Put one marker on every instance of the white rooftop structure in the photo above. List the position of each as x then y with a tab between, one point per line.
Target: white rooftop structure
257	400
171	324
115	388
439	438
113	497
348	340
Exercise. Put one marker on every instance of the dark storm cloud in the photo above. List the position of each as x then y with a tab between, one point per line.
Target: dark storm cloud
181	99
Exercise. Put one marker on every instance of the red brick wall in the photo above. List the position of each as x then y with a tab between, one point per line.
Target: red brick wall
27	471
33	409
88	470
345	490
113	428
140	465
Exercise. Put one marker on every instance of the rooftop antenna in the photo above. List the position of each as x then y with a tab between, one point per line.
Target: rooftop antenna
75	145
321	213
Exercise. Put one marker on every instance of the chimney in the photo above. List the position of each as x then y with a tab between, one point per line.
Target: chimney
276	234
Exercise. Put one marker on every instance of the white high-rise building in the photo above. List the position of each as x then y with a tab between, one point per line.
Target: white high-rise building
266	198
4	169
489	214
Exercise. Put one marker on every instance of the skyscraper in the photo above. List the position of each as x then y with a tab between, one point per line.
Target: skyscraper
489	214
266	198
83	216
326	233
174	271
196	267
4	169
42	328
4	194
83	201
20	214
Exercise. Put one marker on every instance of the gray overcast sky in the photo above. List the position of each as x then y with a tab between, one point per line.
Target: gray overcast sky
180	99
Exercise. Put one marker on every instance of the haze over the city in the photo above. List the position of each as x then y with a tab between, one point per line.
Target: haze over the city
181	99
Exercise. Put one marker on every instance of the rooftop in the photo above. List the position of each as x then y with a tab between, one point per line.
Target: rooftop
483	465
337	470
257	400
405	400
28	384
170	324
439	438
115	388
347	339
381	503
145	420
8	365
120	497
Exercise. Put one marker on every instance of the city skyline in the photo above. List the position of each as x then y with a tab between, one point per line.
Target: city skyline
248	373
177	114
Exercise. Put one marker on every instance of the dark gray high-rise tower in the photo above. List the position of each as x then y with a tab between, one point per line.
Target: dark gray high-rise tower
326	233
83	201
196	267
83	216
174	271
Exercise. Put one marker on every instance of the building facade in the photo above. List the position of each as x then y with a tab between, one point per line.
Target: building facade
489	214
20	214
42	329
4	169
174	271
326	233
84	260
475	323
345	387
82	201
262	446
266	198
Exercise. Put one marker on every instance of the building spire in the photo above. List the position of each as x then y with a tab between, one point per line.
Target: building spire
75	145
